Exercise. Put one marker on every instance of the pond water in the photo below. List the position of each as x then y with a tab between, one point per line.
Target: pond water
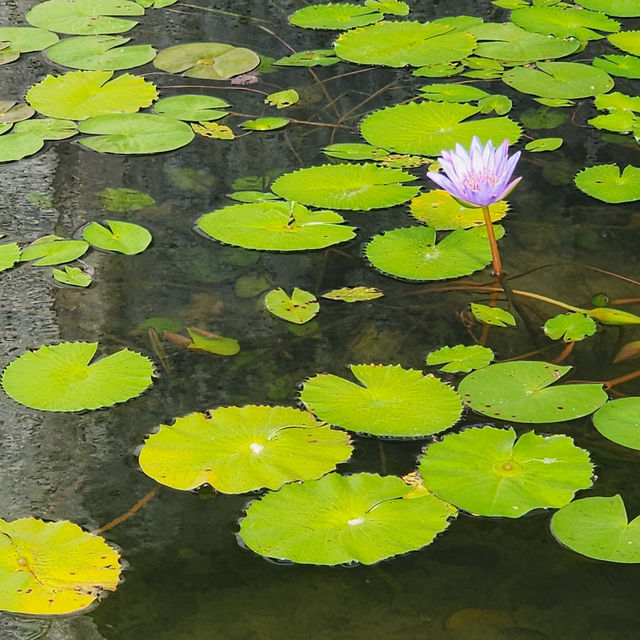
187	576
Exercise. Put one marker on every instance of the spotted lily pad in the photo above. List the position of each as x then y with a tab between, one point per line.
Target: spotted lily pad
59	377
606	183
213	130
487	472
461	358
82	94
282	99
360	518
598	527
240	449
298	308
619	421
275	226
429	127
389	401
192	107
571	327
354	294
53	567
211	60
412	253
346	186
53	250
521	391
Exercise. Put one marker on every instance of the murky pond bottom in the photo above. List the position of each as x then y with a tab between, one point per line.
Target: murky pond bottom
187	575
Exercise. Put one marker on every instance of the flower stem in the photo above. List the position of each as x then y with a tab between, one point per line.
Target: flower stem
495	254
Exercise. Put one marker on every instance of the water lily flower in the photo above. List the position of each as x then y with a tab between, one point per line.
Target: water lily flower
479	178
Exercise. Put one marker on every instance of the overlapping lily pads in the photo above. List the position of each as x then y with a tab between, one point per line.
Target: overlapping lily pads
388	401
53	567
619	421
275	226
335	520
59	377
412	253
487	472
240	449
522	391
17	40
429	127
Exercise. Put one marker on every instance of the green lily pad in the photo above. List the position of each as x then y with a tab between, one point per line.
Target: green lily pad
123	199
122	237
353	294
544	144
622	66
135	133
619	421
73	276
356	187
9	255
311	58
461	358
564	22
618	120
52	250
275	226
282	99
212	343
398	44
389	401
487	472
412	252
334	16
606	183
59	377
617	101
47	128
440	210
14	146
265	124
24	40
103	52
559	80
211	60
240	449
354	151
84	17
521	391
498	103
360	518
429	127
492	315
298	308
571	327
192	108
82	94
628	41
452	92
444	70
598	528
617	8
252	196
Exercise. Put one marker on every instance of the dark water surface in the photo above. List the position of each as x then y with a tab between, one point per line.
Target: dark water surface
187	577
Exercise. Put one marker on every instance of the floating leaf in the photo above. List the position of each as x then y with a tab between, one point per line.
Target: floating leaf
617	120
213	130
498	103
9	255
48	251
59	377
492	315
440	210
360	518
412	252
265	124
389	401
606	183
544	144
212	343
616	65
520	391
252	196
282	99
618	8
398	44
53	567
211	60
452	92
559	80
104	53
354	151
275	226
312	58
607	315
341	186
487	472
240	449
19	40
334	16
73	276
628	41
429	127
82	94
192	107
444	70
301	307
461	358
619	421
135	133
571	327
354	294
11	112
123	199
123	237
14	146
47	128
84	17
597	527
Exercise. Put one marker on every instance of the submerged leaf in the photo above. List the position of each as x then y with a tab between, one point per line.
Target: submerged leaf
123	199
212	343
354	294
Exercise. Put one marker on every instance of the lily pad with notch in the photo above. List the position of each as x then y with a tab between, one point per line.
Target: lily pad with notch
17	40
461	358
571	327
51	250
522	391
486	471
122	237
334	16
194	108
336	520
11	112
73	276
628	41
605	182
623	66
388	400
619	421
300	307
14	146
240	449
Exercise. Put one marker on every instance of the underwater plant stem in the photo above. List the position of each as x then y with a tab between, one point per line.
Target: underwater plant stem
564	354
127	514
625	378
226	13
495	254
